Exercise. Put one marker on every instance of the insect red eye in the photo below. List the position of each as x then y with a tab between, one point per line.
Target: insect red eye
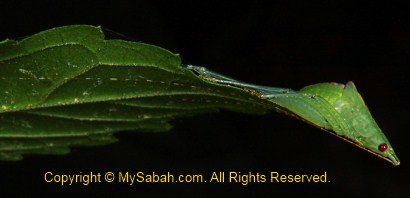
383	147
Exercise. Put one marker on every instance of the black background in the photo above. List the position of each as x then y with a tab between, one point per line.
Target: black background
280	44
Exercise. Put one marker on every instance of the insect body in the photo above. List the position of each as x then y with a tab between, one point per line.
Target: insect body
333	107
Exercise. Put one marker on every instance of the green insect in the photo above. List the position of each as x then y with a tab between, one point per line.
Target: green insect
333	107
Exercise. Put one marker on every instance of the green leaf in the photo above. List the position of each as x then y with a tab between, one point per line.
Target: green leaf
69	86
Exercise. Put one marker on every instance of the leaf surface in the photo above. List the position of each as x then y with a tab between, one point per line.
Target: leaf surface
69	86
